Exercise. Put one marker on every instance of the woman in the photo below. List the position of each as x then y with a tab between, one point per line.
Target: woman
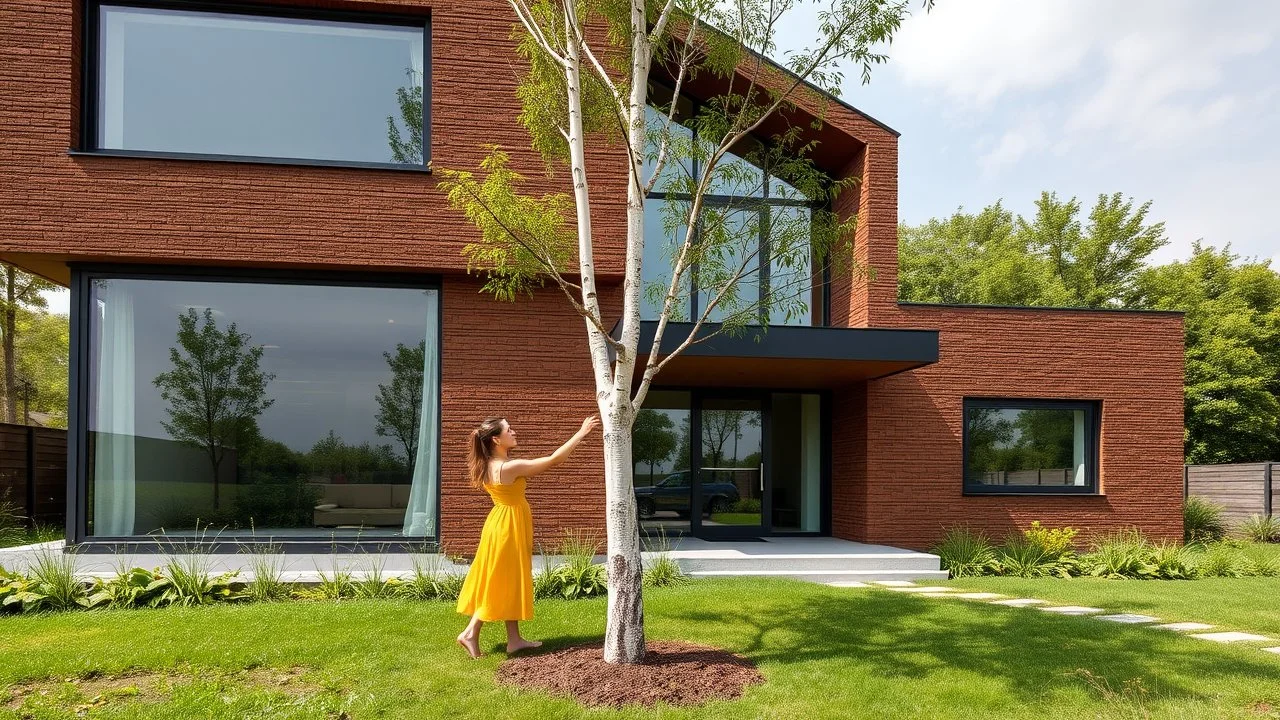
499	585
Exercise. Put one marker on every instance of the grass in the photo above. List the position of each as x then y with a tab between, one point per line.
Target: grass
29	536
825	652
1246	604
732	518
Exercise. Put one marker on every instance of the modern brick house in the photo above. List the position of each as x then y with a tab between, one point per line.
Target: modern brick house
187	168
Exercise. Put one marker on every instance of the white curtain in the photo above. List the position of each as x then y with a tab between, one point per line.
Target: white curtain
420	515
113	459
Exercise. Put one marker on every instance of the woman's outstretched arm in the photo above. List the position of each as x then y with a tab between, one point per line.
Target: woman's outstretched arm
529	468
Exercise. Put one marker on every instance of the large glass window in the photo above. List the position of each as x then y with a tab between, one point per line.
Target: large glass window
746	219
178	81
1030	446
251	407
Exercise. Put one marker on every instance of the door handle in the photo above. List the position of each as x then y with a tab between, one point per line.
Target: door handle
762	479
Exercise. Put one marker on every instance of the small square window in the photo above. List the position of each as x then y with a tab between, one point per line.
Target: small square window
1030	447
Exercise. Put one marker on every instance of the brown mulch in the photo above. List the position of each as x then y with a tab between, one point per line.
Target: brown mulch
675	673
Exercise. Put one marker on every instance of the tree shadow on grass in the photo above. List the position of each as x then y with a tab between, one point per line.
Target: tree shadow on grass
1028	650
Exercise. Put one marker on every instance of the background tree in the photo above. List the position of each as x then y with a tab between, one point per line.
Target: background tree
216	389
1232	380
653	439
42	351
400	401
21	291
406	147
570	97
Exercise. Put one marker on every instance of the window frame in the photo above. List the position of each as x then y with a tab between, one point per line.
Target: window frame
86	139
79	397
1092	443
763	204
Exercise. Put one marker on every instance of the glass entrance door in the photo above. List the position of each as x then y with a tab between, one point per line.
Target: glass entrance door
731	478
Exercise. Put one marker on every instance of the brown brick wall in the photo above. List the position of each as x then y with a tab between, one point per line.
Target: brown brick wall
1132	362
528	362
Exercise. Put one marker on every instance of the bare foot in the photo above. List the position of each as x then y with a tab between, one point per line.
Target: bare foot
522	644
471	645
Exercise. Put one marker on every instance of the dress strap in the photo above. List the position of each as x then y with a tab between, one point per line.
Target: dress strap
500	466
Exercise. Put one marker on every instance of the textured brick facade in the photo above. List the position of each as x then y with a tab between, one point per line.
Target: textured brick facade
895	452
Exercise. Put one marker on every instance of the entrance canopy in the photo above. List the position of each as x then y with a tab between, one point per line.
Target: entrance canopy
787	356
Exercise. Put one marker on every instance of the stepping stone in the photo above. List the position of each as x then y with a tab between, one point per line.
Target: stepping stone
1226	637
1185	626
927	589
1275	650
1128	618
894	583
1071	610
977	595
937	595
1020	602
848	584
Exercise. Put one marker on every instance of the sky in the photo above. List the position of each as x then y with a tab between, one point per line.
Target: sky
1172	101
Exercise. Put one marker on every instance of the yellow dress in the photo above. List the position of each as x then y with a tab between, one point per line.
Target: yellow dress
499	585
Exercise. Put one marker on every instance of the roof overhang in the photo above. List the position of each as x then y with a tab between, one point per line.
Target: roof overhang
786	356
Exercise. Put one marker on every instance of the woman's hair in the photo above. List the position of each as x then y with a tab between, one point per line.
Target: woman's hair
481	450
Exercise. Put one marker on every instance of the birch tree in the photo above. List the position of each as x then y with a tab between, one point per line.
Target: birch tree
729	262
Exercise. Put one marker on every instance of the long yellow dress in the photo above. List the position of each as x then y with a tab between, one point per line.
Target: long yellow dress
499	585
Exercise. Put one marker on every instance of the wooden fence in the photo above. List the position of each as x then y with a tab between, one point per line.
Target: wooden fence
33	472
1243	490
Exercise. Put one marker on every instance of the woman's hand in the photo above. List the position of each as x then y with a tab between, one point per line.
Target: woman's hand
589	425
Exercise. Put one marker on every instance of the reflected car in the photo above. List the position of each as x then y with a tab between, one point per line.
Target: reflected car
673	493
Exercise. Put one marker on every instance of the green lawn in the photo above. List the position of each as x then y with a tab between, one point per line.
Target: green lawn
1245	604
825	652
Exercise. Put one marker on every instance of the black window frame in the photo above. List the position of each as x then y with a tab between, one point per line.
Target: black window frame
764	204
86	140
1092	442
78	400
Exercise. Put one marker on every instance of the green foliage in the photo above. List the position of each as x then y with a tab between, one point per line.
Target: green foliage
1236	560
1022	557
662	570
408	150
1202	520
965	553
267	566
51	584
1232	378
1261	528
12	522
1127	554
43	362
746	506
578	576
130	588
653	438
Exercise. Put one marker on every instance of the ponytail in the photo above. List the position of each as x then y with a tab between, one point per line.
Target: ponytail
480	450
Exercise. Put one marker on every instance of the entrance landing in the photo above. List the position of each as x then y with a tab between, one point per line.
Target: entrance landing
817	559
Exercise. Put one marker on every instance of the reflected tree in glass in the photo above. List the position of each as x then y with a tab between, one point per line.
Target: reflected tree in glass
653	439
400	401
406	147
216	389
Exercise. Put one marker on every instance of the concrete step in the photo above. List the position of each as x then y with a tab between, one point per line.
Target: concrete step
828	576
813	563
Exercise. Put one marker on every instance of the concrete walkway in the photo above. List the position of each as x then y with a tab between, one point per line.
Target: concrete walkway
1191	629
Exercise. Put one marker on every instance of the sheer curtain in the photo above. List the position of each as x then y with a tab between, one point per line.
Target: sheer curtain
113	458
420	515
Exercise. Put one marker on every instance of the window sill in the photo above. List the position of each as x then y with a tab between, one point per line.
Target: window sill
251	160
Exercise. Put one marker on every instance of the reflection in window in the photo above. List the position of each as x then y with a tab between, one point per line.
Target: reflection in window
1025	445
660	448
259	86
292	409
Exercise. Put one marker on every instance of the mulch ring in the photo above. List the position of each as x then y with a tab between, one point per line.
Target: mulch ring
675	673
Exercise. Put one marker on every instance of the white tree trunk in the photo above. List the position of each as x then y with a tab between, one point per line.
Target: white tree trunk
624	632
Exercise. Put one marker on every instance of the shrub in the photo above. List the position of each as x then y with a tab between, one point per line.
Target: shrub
52	584
1173	562
268	568
1236	560
965	553
1261	528
130	588
1202	521
1056	542
664	571
12	522
746	505
1023	557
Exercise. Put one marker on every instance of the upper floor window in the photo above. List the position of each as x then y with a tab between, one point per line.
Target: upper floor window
258	86
747	211
1030	446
